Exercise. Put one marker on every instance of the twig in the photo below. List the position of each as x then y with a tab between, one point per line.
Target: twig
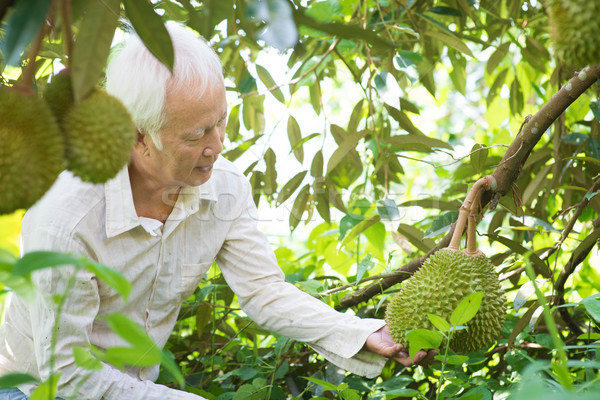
578	211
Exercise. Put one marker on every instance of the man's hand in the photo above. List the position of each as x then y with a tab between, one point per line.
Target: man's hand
381	342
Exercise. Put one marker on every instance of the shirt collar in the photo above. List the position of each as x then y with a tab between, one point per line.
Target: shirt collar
120	210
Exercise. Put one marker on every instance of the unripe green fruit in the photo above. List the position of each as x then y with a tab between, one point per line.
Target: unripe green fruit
446	278
100	136
32	150
575	30
59	95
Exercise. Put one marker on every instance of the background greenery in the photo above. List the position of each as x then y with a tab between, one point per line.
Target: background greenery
366	122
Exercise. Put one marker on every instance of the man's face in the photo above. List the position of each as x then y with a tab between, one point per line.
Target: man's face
192	137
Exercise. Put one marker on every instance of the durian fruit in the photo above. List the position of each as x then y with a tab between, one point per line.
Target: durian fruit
100	135
438	287
31	150
575	28
59	95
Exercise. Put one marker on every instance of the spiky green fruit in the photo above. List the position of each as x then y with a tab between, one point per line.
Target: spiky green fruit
59	95
575	30
437	288
100	136
32	150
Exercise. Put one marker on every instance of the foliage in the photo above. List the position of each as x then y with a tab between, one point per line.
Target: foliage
391	109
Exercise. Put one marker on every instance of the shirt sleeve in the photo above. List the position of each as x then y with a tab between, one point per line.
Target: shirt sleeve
250	268
75	321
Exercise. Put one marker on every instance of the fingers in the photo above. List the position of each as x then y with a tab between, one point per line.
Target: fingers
422	357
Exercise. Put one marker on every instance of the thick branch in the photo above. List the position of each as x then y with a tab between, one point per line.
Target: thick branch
518	152
507	172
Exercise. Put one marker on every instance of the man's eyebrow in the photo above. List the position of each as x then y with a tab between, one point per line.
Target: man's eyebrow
202	129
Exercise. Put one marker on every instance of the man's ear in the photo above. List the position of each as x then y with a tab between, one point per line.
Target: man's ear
141	143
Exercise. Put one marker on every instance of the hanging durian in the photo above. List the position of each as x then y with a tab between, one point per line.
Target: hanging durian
32	150
100	135
445	278
575	28
59	95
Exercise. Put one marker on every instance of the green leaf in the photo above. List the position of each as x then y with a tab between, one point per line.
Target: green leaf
348	222
402	393
144	351
455	359
300	205
47	390
441	224
388	210
314	92
23	25
440	323
496	57
589	336
420	339
359	228
247	85
168	362
451	41
595	107
92	47
478	157
356	116
150	28
407	142
516	97
324	384
270	172
295	137
15	379
592	306
316	167
290	187
325	11
496	86
110	276
466	309
137	356
349	143
85	360
269	82
363	266
36	260
415	237
442	10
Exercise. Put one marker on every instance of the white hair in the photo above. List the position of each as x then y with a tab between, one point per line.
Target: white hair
141	81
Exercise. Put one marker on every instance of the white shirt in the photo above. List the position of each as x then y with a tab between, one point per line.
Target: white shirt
165	263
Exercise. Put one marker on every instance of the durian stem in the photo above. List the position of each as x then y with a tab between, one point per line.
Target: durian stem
485	183
28	75
472	225
68	33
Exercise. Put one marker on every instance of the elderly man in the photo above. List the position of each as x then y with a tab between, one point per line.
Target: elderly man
161	222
